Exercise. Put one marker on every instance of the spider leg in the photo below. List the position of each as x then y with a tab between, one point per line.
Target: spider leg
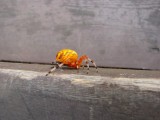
55	63
54	68
58	65
93	63
83	65
87	63
84	58
77	69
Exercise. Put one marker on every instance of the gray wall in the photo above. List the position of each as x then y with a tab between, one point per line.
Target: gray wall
115	33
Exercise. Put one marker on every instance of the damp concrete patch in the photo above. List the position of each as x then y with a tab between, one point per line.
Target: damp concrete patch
30	95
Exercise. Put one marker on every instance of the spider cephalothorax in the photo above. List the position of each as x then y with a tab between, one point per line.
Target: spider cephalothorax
70	58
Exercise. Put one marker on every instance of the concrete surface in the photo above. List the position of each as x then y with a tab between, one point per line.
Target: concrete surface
27	94
109	72
114	33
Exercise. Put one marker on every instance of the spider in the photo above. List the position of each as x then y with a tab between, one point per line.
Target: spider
70	58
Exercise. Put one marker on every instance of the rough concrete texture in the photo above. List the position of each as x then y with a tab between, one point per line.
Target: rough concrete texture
30	95
114	33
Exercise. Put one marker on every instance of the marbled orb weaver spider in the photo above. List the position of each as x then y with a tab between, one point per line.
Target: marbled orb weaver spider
70	58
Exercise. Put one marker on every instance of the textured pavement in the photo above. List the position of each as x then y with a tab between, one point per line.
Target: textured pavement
27	94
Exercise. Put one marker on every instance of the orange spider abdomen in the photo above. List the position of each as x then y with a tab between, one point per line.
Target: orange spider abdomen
67	57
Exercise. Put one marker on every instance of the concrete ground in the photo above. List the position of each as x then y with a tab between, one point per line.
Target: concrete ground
108	72
112	94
